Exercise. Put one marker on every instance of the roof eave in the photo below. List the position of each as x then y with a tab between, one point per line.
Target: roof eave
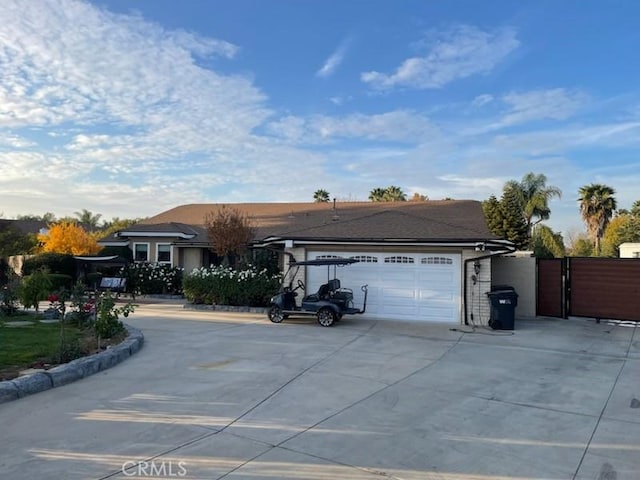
476	243
186	236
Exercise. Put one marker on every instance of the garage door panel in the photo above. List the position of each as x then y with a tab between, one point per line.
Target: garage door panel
409	291
399	295
400	312
434	314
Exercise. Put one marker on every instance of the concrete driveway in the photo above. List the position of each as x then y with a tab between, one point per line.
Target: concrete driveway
215	395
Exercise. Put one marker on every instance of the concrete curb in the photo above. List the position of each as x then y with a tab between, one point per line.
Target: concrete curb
72	371
225	308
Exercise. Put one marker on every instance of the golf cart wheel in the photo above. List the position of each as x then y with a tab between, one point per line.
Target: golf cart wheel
275	314
326	317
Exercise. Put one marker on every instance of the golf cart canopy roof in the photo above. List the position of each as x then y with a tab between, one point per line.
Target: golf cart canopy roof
325	261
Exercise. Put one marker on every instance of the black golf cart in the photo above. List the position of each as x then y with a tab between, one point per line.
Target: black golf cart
328	304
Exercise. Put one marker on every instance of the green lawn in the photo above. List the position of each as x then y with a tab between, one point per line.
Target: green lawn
22	347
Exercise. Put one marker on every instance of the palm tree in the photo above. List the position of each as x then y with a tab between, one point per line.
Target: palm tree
597	205
377	195
389	194
394	194
321	196
88	218
534	196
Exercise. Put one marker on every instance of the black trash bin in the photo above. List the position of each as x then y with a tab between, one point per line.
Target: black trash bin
503	307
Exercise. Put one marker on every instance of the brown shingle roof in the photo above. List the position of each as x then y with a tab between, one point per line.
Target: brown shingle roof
430	220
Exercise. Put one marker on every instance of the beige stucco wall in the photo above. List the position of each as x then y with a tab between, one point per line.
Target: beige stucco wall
153	242
190	258
299	253
520	273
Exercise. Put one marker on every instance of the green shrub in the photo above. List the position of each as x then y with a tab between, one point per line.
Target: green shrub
53	262
60	281
107	322
225	286
9	295
34	289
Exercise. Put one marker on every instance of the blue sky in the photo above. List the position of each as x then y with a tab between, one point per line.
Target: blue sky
130	108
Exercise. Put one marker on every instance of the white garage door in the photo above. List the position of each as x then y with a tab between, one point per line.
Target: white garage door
416	286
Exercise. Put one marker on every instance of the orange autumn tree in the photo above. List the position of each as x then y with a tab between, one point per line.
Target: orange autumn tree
70	238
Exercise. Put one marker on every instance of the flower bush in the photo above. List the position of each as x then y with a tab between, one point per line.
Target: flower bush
107	323
152	278
221	285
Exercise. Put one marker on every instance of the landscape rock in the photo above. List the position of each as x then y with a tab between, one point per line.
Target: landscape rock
63	374
8	392
30	384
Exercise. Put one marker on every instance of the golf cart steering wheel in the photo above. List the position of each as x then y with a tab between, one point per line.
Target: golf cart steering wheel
301	285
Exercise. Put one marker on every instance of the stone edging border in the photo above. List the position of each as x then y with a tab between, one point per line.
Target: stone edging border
72	371
225	308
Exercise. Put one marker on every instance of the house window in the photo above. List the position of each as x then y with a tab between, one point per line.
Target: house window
141	252
324	257
398	259
366	259
436	261
163	253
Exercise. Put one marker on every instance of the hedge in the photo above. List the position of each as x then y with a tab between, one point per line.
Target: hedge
224	286
53	262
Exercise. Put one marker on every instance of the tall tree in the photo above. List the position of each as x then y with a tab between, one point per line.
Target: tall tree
394	194
534	195
513	223
230	232
621	229
87	217
47	217
377	195
580	245
493	216
321	196
14	242
70	238
389	194
505	219
116	224
546	243
597	204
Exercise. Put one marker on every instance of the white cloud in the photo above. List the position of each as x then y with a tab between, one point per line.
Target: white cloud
398	125
14	141
89	66
561	140
454	54
334	60
340	100
555	104
481	100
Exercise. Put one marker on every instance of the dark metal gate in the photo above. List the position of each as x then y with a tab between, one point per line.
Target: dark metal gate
550	298
604	288
589	287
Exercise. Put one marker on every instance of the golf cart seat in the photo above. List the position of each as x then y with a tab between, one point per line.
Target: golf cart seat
324	292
